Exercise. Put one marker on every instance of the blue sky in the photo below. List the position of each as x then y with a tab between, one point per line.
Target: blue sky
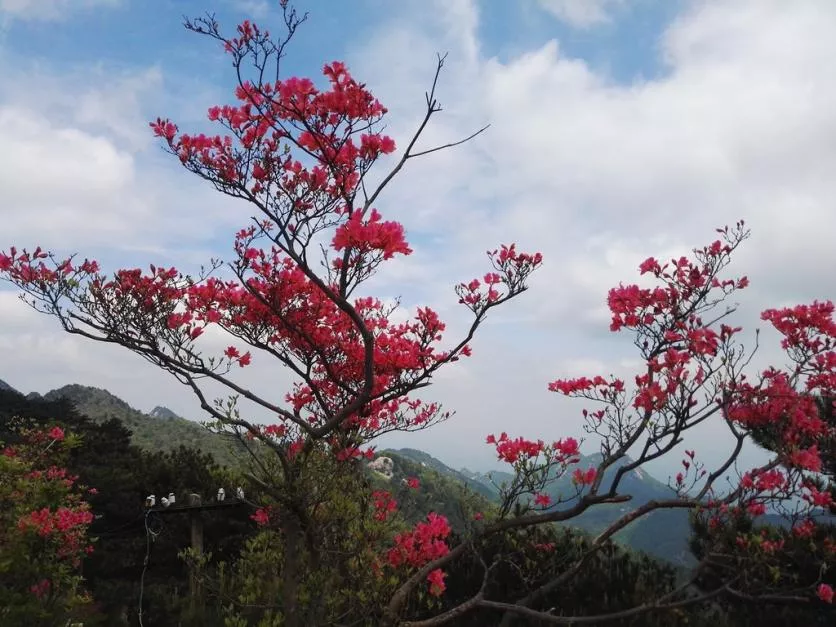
620	129
136	34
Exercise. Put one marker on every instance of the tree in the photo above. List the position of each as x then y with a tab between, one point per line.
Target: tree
102	456
782	547
301	157
43	530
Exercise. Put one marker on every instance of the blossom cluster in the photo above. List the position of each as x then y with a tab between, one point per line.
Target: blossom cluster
425	543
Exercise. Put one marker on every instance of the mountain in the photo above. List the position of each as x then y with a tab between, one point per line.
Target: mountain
492	480
663	534
6	386
162	432
440	489
425	460
164	413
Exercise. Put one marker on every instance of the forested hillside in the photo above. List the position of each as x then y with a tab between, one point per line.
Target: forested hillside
159	430
664	534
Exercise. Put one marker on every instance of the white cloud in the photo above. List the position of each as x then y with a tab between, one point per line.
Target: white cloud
582	168
253	8
49	10
599	175
62	167
581	13
81	172
102	100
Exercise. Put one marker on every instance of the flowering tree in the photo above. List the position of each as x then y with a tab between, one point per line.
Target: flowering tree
301	157
791	554
43	531
694	371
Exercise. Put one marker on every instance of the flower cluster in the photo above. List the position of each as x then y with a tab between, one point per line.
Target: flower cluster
511	270
384	505
425	543
584	477
261	517
68	525
44	519
512	451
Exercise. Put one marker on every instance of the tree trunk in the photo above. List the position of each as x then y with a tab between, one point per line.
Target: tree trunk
291	571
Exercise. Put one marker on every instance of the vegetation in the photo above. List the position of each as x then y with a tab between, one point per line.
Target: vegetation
148	432
44	520
103	457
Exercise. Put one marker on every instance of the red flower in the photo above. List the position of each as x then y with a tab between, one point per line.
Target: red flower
56	433
261	517
825	593
413	483
41	588
587	477
437	586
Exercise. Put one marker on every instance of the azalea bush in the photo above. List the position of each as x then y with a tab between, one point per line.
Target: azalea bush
305	158
44	519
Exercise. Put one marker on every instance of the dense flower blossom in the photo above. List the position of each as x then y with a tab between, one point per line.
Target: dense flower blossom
261	517
40	589
584	477
42	509
56	433
384	504
511	451
424	543
436	579
542	500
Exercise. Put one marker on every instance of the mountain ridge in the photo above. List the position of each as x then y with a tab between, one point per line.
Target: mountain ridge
665	534
164	431
163	412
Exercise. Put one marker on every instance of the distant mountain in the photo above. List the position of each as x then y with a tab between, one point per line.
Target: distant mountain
438	489
6	386
662	534
162	432
492	480
164	413
428	461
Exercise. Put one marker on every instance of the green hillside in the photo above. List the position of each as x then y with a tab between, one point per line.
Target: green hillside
427	461
437	492
153	433
454	493
662	534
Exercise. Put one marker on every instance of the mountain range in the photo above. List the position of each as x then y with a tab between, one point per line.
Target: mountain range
663	534
158	430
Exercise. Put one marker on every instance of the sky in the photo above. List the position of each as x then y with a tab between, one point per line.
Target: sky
619	129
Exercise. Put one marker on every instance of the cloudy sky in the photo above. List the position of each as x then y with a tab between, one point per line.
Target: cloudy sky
619	129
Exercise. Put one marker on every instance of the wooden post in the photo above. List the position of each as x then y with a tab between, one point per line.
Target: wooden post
197	546
195	508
